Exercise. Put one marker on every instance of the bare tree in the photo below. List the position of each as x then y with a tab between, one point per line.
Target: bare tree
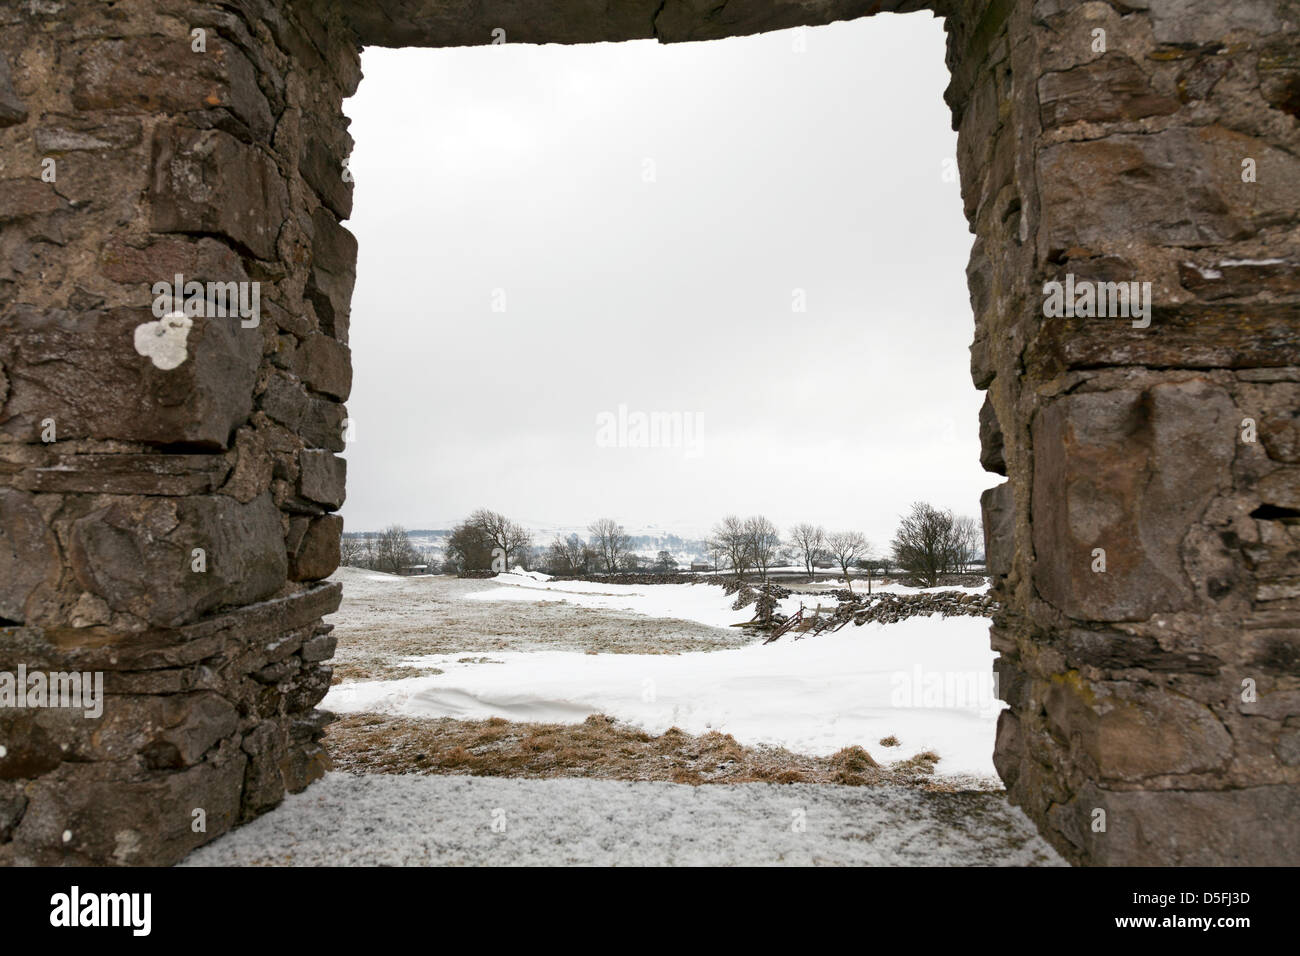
567	555
509	540
846	547
730	539
577	553
393	550
608	541
923	544
809	543
968	540
764	542
351	551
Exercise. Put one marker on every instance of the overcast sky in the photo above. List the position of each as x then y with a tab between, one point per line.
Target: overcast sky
649	217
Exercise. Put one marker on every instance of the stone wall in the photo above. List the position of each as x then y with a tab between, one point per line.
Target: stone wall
134	149
1154	705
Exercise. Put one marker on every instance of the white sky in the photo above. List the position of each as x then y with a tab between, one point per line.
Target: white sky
522	169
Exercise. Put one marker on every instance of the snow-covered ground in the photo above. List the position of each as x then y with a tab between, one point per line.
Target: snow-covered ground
379	820
925	680
705	603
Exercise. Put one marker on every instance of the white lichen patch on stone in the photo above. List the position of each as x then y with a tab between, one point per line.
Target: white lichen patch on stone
164	342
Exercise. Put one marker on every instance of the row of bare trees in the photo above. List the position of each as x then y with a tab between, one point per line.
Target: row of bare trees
929	543
488	540
755	544
607	548
389	550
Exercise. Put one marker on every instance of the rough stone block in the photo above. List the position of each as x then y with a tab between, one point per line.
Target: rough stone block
333	274
1132	732
997	505
138	555
111	816
83	371
1111	87
1250	826
1126	472
991	444
29	555
1180	187
317	556
12	109
325	365
208	181
322	477
165	75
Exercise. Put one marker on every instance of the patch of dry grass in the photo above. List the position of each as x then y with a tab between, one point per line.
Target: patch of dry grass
600	748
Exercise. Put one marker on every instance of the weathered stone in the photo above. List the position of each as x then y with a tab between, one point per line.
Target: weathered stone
333	274
1235	278
997	506
60	133
308	688
204	260
30	750
84	373
284	400
325	365
1279	75
322	476
317	556
139	555
307	763
1281	488
12	110
1132	732
991	451
1189	336
323	169
27	198
1180	188
169	731
110	816
126	474
29	556
1095	455
1205	21
1111	87
264	778
165	75
1239	827
251	475
12	805
1111	650
319	648
323	424
208	181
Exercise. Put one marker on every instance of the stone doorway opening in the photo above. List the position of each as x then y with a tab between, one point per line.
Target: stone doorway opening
675	206
1103	142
